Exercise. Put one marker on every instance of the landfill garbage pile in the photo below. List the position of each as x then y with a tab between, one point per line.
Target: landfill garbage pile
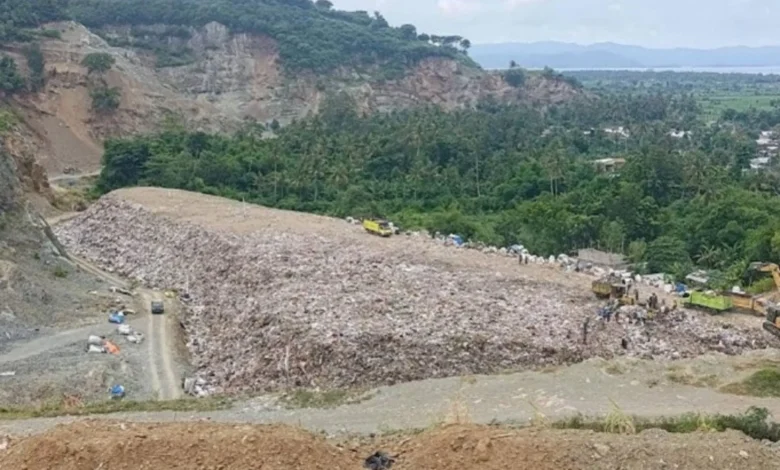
270	310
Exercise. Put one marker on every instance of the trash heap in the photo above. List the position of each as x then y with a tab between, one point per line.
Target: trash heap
273	309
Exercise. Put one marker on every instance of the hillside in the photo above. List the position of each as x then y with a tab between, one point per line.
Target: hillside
610	55
225	65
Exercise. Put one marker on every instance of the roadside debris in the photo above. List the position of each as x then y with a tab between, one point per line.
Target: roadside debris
9	373
117	392
116	317
120	290
378	461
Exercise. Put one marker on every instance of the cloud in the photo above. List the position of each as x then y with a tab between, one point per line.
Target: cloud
514	4
459	7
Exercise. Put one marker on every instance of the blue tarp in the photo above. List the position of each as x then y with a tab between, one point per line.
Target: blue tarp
456	239
117	391
116	318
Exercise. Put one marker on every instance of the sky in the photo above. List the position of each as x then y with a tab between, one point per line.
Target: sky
651	23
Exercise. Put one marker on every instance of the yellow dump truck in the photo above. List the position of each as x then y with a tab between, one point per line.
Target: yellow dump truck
377	227
610	287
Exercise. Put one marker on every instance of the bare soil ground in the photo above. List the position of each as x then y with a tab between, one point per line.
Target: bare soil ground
126	446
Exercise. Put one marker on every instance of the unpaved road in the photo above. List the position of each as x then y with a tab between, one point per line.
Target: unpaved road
44	344
161	364
585	388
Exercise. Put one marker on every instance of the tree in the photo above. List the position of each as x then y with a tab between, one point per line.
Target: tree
36	64
408	31
515	77
105	98
10	79
324	4
99	62
424	37
274	126
512	64
465	44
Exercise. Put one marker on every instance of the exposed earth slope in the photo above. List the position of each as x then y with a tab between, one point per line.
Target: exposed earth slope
230	79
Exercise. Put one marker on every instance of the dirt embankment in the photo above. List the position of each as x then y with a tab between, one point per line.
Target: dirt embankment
123	446
284	299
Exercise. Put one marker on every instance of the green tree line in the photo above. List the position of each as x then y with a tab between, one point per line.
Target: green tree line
500	174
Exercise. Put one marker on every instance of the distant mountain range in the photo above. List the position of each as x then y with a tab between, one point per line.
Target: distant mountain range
563	55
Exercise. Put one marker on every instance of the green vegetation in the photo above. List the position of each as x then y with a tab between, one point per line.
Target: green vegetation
310	36
304	398
763	383
36	64
10	79
715	92
104	98
501	175
98	62
64	408
754	423
60	272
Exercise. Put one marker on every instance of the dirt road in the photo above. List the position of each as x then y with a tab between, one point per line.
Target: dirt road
639	388
47	343
161	364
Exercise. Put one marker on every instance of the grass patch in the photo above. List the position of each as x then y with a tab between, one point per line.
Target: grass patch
686	378
764	383
615	369
305	398
754	423
60	272
71	408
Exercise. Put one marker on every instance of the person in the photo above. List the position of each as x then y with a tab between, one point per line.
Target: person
624	343
636	294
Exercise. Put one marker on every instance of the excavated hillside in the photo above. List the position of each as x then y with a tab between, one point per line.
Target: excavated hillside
232	78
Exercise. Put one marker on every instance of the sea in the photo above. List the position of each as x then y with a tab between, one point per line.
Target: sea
774	70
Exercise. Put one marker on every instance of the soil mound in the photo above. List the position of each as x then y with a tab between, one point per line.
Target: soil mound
122	446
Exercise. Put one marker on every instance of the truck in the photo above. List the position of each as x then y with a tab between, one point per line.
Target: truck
709	301
612	287
378	227
158	307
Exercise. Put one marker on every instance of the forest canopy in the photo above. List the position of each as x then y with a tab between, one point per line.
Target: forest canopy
498	174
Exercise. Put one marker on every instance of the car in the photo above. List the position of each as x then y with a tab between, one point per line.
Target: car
158	307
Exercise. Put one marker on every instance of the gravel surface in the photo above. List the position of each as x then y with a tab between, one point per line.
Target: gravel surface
281	303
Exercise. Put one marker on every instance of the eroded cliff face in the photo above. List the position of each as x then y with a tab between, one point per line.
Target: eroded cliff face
234	78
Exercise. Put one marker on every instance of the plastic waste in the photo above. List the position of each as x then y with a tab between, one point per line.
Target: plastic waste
124	330
95	340
116	317
117	392
95	349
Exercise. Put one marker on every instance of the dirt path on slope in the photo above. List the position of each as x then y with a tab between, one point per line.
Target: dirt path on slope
47	343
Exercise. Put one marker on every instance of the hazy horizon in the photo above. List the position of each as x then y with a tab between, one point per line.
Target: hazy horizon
645	23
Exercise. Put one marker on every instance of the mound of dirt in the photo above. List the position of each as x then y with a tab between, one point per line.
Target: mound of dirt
278	304
116	446
122	446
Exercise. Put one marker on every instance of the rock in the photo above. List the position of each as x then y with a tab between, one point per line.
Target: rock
601	449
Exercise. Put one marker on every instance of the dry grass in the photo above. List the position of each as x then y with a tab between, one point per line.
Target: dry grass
618	422
73	406
688	378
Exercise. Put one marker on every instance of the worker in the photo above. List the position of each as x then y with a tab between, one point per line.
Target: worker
636	294
624	343
585	331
